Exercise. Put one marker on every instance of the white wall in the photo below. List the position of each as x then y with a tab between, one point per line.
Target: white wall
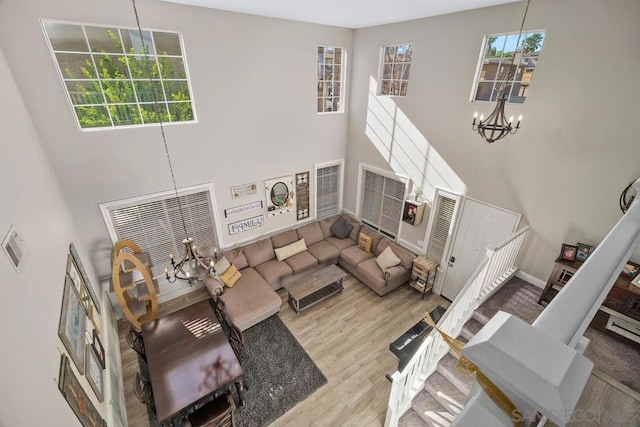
254	85
578	146
31	298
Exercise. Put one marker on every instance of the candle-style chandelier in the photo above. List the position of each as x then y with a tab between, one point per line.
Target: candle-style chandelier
192	267
496	126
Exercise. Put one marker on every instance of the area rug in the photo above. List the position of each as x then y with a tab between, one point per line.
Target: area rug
278	372
611	355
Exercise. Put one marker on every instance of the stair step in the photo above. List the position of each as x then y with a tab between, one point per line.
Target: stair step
447	394
411	419
431	412
448	367
471	328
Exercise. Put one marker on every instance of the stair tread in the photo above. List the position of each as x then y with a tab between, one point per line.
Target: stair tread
448	369
411	419
446	393
471	328
430	410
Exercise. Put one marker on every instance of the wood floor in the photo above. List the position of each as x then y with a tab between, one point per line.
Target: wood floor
348	337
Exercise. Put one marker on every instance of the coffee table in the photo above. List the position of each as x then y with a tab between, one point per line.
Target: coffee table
310	289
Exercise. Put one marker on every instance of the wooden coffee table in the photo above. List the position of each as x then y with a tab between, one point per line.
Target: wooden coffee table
310	289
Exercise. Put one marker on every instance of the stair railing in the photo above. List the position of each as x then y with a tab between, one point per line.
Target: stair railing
496	268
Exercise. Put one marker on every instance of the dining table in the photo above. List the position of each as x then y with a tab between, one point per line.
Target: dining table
190	360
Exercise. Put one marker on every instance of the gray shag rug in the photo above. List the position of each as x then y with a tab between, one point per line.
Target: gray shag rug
615	357
278	372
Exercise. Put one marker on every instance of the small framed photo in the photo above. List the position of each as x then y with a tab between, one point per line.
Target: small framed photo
636	281
98	348
583	252
631	269
93	372
569	252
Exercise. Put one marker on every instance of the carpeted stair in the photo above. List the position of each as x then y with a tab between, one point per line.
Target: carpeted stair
445	392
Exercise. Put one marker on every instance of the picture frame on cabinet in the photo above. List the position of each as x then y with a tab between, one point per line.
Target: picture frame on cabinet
568	252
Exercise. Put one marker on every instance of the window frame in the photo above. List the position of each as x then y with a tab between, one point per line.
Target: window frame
107	207
342	81
340	164
480	63
381	65
362	168
137	102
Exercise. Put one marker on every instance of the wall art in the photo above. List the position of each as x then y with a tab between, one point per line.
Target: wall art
280	195
83	273
76	397
93	372
246	224
249	207
302	193
244	190
72	324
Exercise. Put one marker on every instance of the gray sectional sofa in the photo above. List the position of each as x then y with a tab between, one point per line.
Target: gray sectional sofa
253	298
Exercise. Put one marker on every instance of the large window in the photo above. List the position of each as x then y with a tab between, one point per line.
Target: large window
394	70
328	189
502	56
330	79
110	82
382	197
154	223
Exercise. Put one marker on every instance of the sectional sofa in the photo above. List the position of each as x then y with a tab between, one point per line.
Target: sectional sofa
269	264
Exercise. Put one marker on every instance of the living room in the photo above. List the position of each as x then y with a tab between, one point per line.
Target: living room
253	83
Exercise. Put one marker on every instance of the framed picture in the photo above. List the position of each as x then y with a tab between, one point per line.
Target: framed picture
74	273
76	397
93	372
631	269
84	276
98	348
568	252
583	251
636	281
72	324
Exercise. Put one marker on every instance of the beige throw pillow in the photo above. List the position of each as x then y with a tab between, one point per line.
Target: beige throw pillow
290	250
387	259
221	266
231	276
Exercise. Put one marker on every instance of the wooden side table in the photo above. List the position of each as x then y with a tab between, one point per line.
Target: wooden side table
423	274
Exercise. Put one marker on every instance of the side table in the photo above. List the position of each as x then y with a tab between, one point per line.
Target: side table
423	274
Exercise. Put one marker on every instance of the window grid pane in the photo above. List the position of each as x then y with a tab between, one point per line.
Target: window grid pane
109	86
382	202
396	63
330	63
497	70
327	191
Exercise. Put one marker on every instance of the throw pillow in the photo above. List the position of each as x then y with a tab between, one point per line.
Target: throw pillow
221	266
231	276
364	242
341	228
387	259
290	250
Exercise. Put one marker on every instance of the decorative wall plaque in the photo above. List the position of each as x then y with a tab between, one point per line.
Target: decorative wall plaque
77	397
244	190
249	207
302	190
246	224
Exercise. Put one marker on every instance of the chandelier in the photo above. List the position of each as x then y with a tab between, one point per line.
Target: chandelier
496	126
192	267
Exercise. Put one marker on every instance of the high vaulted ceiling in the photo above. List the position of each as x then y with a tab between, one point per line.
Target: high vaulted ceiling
345	13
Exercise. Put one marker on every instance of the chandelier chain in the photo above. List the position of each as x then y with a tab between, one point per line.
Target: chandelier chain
157	108
513	70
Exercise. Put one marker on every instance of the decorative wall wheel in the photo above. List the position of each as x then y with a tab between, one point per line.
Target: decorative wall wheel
133	285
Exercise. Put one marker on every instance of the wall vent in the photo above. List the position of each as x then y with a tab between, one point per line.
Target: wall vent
14	247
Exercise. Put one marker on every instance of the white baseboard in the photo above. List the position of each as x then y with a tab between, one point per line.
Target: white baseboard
349	212
531	279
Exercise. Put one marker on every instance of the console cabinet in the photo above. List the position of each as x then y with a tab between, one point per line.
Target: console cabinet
620	311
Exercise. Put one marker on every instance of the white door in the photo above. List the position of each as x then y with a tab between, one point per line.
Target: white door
480	226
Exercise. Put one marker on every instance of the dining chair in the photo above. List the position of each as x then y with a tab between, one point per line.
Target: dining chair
135	341
236	340
142	390
220	412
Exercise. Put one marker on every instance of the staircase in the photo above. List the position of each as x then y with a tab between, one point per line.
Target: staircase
445	391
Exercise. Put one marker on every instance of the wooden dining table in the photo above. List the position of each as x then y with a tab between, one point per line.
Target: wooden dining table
189	360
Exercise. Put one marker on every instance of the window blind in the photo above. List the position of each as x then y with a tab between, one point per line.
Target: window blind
327	191
382	202
442	226
155	225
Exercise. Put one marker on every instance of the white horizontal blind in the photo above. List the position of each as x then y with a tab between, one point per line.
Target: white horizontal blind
382	202
327	191
442	226
156	226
